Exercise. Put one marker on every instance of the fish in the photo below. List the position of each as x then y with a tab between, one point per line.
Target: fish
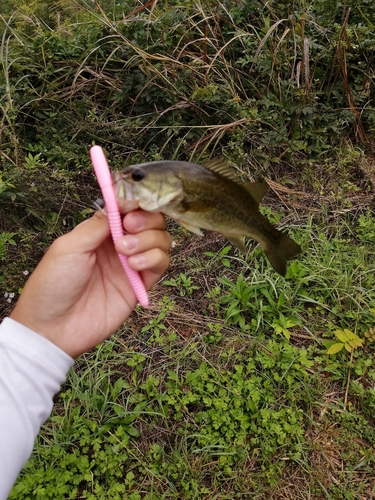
208	197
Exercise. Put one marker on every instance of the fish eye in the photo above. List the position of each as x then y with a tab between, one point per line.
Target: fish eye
137	175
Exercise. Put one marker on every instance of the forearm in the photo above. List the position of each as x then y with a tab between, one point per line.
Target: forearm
31	372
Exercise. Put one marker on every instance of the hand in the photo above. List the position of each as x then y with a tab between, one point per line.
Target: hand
78	294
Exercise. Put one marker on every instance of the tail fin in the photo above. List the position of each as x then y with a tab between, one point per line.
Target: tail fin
279	254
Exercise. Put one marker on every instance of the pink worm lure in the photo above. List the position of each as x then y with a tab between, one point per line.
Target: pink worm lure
106	185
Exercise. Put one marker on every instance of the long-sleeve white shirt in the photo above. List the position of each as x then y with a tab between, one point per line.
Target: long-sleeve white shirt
31	371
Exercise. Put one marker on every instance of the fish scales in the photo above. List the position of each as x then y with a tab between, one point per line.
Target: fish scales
232	206
205	197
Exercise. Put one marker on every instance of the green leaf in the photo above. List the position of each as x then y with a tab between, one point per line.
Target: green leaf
357	342
335	348
344	335
286	333
169	283
131	430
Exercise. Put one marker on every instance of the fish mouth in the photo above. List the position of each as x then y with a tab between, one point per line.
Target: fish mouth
124	193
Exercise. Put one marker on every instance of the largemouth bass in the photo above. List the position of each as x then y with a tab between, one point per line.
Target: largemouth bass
205	197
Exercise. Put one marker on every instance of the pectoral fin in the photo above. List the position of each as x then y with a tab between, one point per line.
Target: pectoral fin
191	228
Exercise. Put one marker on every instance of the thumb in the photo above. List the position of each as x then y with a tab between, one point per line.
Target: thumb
89	235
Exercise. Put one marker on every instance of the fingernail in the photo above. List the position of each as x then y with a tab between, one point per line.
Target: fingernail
139	220
129	243
139	260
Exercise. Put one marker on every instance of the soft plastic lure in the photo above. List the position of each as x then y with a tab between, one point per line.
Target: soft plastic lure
106	185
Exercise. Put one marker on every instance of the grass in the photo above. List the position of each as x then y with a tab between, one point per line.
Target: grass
200	396
223	388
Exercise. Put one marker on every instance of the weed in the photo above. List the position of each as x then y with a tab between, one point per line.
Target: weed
183	283
347	339
366	228
6	239
220	256
283	325
230	395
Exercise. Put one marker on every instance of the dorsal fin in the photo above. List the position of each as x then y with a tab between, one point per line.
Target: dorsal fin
256	189
221	167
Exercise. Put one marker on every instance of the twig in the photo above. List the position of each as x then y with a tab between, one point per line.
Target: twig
348	381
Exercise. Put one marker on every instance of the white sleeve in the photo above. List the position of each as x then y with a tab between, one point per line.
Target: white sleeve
31	371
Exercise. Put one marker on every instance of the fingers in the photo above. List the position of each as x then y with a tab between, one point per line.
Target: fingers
146	231
132	244
154	260
147	244
139	220
147	250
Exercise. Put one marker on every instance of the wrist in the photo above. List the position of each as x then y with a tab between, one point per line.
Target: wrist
34	342
27	321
